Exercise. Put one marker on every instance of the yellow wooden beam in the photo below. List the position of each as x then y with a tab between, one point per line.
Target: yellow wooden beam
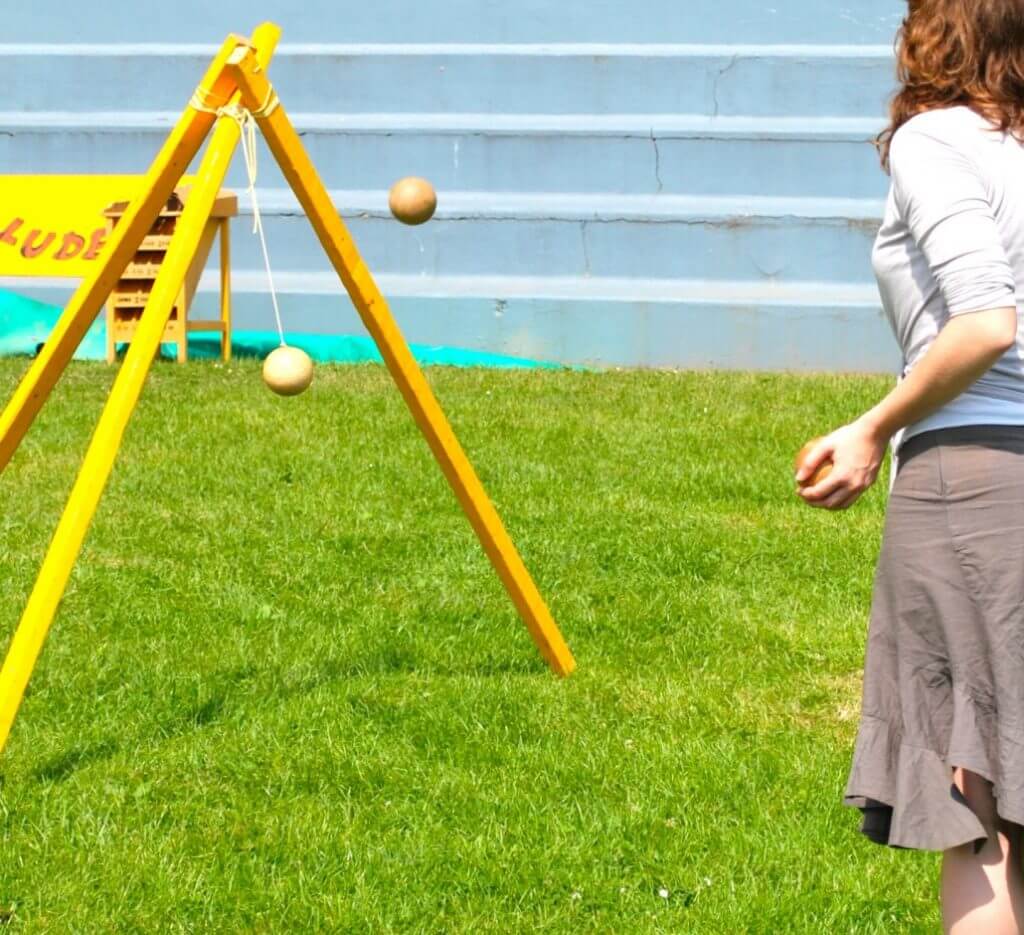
84	499
259	97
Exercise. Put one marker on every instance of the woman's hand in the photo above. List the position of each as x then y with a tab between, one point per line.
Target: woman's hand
856	451
966	348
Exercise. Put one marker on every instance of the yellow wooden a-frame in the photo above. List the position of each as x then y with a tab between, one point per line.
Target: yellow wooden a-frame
235	80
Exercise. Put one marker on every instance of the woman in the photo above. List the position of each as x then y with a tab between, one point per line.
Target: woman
939	759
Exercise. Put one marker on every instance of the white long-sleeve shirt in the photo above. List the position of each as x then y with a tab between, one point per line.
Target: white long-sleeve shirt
952	243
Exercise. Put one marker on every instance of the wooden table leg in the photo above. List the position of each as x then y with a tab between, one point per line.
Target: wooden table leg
225	290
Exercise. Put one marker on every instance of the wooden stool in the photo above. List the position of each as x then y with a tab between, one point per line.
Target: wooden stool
128	298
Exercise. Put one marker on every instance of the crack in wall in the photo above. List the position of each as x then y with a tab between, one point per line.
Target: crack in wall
732	221
773	274
586	248
657	163
722	72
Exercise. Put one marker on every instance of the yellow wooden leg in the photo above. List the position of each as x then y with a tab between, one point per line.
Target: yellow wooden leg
37	618
172	160
225	290
284	142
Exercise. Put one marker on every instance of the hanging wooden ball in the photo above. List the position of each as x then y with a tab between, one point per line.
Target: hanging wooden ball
824	469
288	371
412	200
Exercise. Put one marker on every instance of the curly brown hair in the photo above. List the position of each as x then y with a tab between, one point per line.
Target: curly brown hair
960	52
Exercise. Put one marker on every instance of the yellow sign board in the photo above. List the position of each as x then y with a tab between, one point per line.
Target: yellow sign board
53	225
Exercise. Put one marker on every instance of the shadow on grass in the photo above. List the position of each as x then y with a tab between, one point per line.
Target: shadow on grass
395	661
204	713
62	766
285	686
210	708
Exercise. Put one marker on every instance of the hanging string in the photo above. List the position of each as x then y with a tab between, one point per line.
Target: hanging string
246	121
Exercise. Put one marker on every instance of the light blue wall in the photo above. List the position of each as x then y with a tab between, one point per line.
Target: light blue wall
500	21
655	183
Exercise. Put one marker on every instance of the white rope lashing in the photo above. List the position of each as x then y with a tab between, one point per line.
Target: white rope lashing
246	120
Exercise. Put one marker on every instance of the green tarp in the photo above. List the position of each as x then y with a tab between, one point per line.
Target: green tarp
25	324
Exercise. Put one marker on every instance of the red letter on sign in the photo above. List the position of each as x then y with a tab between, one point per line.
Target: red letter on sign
96	242
7	234
71	247
29	250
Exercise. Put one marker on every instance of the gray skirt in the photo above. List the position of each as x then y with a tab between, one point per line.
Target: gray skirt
944	664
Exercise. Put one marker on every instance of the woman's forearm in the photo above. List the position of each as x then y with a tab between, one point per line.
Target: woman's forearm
964	350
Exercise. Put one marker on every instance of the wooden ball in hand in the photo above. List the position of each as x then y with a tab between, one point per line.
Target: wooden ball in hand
824	469
288	371
412	200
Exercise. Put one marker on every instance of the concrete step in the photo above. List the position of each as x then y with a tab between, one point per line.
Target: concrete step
660	236
630	154
697	21
715	80
600	321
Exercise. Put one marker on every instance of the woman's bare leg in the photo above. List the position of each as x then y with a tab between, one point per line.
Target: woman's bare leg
983	892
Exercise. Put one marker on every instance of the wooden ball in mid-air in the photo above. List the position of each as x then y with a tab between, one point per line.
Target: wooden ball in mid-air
824	469
412	200
288	371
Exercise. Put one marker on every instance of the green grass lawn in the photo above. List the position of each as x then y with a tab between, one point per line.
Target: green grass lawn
286	692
